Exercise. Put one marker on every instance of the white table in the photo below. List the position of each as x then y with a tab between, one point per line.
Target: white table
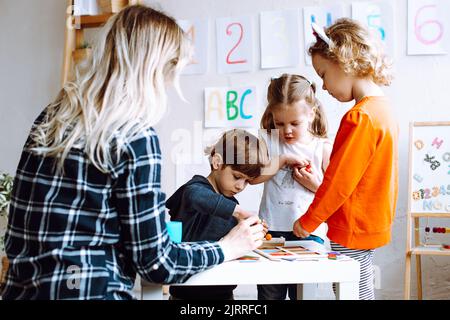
345	273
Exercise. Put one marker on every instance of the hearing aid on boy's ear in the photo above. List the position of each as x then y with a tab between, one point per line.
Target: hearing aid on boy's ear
319	32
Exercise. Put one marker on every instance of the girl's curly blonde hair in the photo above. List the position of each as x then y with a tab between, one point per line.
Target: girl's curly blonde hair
355	50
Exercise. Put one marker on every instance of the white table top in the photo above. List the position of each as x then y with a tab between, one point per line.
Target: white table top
264	271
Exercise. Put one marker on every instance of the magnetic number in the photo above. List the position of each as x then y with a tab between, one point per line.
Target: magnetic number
241	35
435	192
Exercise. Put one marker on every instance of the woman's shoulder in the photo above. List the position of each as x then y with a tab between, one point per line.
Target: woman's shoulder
143	145
145	140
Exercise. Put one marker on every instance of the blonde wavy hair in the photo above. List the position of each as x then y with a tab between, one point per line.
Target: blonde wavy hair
355	50
119	92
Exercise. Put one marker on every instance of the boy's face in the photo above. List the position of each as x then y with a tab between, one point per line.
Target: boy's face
230	182
338	83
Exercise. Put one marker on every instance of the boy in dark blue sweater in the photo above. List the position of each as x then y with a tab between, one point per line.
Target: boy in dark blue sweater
207	206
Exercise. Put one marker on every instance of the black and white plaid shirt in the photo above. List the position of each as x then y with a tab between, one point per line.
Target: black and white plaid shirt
85	234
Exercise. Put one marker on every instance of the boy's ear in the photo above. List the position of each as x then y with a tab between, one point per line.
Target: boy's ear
216	161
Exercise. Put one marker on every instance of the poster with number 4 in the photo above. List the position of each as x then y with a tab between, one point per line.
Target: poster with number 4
427	26
234	44
197	32
322	16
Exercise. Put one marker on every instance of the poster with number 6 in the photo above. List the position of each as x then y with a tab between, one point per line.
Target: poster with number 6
197	32
234	44
426	26
378	17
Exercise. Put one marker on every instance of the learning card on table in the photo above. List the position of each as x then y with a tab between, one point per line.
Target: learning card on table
250	257
273	243
290	253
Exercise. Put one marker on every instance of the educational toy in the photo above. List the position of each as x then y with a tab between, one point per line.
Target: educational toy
428	194
272	242
289	253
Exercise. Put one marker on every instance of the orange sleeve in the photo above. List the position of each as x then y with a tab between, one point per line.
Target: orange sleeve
352	151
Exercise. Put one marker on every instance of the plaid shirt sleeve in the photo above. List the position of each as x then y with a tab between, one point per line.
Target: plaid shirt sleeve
141	210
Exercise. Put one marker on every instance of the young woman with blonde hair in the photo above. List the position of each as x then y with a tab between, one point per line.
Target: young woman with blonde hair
87	211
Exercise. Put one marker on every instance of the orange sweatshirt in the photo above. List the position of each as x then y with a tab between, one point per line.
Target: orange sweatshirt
359	191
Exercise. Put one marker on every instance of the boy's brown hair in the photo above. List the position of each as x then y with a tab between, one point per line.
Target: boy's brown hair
242	151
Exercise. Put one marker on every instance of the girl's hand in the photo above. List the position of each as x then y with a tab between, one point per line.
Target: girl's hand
246	236
306	177
299	231
293	160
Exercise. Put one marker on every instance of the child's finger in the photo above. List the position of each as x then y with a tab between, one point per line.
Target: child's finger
256	229
305	173
298	173
251	220
258	236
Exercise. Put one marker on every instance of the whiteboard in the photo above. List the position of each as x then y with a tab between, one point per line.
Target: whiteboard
429	167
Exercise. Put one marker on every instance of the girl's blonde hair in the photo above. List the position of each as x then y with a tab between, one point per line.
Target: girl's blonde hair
119	92
355	50
289	89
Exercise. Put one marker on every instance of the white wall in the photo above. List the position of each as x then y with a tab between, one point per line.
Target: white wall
31	42
418	94
32	38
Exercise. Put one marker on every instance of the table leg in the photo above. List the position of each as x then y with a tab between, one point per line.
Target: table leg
151	292
347	290
306	291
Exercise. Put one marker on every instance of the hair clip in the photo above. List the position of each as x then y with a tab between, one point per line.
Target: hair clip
319	32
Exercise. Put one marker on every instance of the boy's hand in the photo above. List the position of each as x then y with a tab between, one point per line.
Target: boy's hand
306	177
299	231
265	226
294	160
243	238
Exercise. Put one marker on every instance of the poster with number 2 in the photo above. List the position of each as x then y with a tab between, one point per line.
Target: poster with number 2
234	44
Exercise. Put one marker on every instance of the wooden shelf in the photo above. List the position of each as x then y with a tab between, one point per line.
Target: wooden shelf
85	22
435	251
431	215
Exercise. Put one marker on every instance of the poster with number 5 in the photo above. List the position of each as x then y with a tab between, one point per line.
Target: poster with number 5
378	17
426	26
234	44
